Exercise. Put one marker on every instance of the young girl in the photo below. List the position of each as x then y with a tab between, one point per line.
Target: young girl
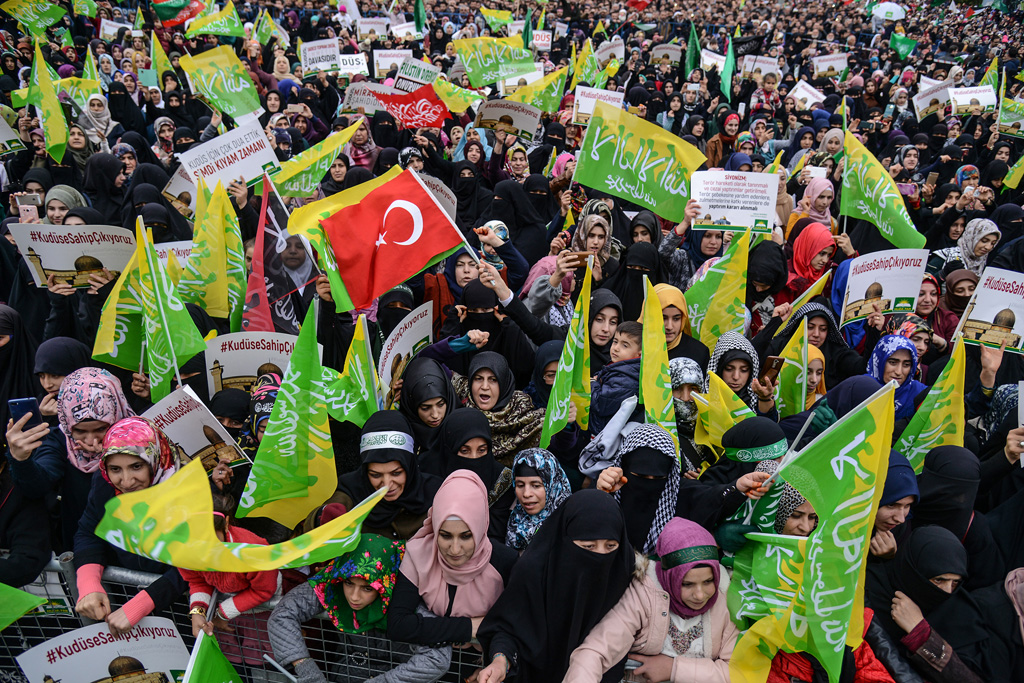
815	375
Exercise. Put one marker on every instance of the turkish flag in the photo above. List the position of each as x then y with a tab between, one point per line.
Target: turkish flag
639	5
393	233
421	108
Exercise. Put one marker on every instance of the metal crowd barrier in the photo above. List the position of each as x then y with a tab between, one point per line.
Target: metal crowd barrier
344	658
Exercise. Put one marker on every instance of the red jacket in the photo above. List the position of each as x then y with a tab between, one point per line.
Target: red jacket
249	590
788	667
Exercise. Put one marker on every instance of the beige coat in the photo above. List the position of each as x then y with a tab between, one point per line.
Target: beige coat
639	623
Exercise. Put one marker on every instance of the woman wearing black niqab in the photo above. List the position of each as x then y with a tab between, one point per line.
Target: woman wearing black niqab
385	132
427	380
538	191
627	283
124	110
560	589
473	200
526	228
17	360
102	174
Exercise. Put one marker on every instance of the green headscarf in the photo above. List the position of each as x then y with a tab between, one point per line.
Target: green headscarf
375	559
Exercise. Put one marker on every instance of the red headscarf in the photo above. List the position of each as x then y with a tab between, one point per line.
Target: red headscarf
725	136
814	238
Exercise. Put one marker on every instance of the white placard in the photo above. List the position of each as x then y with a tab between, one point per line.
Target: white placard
924	82
542	41
109	29
805	95
756	67
516	27
561	29
586	99
996	313
515	118
830	66
609	49
411	336
413	74
442	193
232	360
508	86
370	28
353	64
744	200
362	95
405	31
73	253
674	54
973	101
320	56
86	654
189	423
890	279
709	60
932	100
10	143
181	192
181	249
240	153
386	60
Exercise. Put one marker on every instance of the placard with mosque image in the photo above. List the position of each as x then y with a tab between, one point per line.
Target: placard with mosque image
189	423
995	313
887	280
73	253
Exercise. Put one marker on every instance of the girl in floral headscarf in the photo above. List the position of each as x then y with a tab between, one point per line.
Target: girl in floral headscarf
895	358
541	486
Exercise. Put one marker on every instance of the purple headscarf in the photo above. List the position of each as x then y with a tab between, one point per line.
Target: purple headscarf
682	546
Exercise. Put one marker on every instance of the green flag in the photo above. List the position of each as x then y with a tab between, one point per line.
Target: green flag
546	94
140	20
940	419
588	68
841	474
89	70
84	8
419	16
14	604
496	18
44	96
222	80
791	391
572	381
355	395
35	16
692	50
870	193
119	336
727	71
171	336
717	301
991	76
302	174
294	471
208	664
655	376
160	62
488	60
528	29
902	45
222	23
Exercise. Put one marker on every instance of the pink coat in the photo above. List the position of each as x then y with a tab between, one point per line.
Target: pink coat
639	623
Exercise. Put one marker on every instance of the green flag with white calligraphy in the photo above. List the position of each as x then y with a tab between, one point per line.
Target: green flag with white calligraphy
221	79
355	395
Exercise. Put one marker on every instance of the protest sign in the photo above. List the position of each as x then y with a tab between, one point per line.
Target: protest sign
234	361
923	82
732	198
405	341
320	56
181	192
414	74
91	653
758	67
561	29
353	64
586	98
974	101
996	312
10	143
388	60
73	253
709	60
371	28
673	53
182	249
805	95
421	108
609	49
510	85
240	153
406	31
365	95
830	66
515	28
1011	118
515	118
932	99
542	41
442	193
109	29
890	279
189	423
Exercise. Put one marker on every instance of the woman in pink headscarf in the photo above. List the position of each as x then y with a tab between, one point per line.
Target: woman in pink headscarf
818	196
361	149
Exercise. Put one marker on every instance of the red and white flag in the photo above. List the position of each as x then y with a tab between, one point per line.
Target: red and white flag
421	108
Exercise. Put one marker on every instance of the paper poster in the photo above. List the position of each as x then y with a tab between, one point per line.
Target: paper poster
362	95
830	66
805	95
320	56
406	31
923	82
411	336
757	67
974	101
413	74
709	60
353	64
507	86
240	153
1011	118
234	361
731	198
109	29
672	53
586	98
72	253
182	250
891	279
181	192
371	29
442	193
189	423
932	99
388	60
542	41
10	143
609	49
561	29
151	652
515	28
515	118
996	313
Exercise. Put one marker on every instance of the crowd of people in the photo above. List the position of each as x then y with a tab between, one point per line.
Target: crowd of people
612	547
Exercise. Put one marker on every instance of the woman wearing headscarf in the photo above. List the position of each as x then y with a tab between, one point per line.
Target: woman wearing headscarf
473	200
80	148
895	358
801	142
841	361
685	249
784	204
1009	218
55	359
676	318
944	219
688	378
361	149
627	283
465	444
489	386
735	362
767	274
573	572
594	235
59	200
101	127
696	128
428	400
541	485
104	180
17	358
812	255
130	442
673	616
605	315
817	199
124	110
721	144
452	567
526	228
387	449
941	321
960	285
979	239
918	602
550	301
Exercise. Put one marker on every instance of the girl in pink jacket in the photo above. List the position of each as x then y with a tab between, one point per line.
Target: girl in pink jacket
673	617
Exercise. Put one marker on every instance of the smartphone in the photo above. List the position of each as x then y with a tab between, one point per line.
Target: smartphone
817	171
889	111
579	258
19	407
293	109
28	213
933	178
772	367
29	199
867	125
907	189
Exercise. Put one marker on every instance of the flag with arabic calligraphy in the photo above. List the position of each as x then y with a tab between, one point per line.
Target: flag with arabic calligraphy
572	381
355	395
717	301
421	108
940	419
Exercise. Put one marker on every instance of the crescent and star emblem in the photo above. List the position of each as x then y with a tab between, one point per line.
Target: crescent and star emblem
417	222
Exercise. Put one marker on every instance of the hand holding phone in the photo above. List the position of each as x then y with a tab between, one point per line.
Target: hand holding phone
772	367
26	429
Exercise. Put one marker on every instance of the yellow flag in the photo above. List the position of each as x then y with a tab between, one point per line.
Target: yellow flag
717	302
301	175
791	391
159	58
939	421
545	94
774	166
174	269
598	29
655	376
455	98
580	62
55	129
204	281
814	290
718	411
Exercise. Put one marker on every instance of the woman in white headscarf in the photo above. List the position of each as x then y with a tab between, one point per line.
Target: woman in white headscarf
98	124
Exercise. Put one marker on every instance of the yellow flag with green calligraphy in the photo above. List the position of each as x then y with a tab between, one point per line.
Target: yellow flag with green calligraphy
791	390
717	302
655	376
718	411
940	419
